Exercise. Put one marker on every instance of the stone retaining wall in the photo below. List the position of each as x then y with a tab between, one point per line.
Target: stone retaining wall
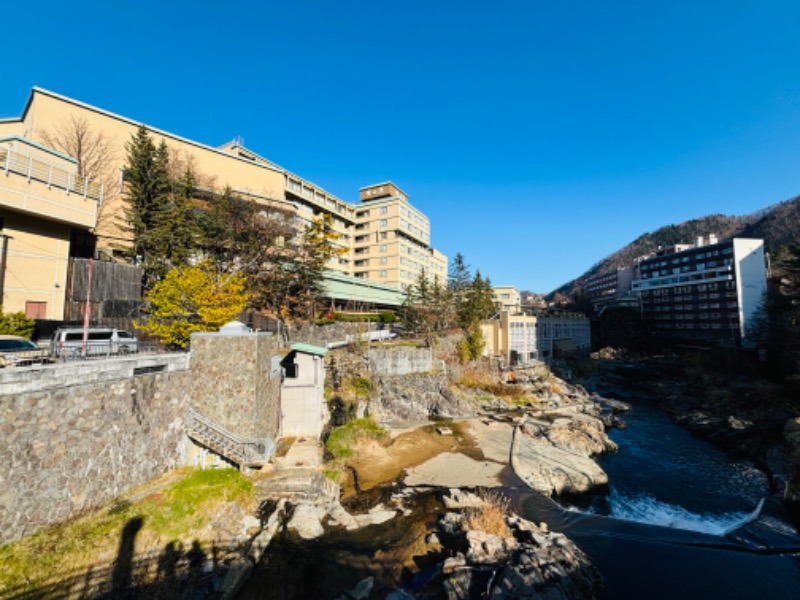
236	382
399	360
68	449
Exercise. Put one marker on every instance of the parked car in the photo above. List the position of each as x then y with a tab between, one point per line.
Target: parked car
68	342
17	351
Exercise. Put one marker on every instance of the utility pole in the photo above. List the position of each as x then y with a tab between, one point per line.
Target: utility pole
86	310
3	253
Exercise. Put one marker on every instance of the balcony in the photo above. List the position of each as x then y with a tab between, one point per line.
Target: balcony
42	182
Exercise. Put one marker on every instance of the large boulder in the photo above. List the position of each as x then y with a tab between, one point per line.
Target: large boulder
552	470
791	436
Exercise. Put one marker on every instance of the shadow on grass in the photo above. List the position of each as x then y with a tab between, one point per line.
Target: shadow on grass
174	572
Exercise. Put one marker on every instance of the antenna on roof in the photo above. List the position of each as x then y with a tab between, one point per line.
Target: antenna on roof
238	140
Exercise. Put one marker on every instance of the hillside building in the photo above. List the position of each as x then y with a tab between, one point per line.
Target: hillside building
392	239
393	245
609	288
46	210
708	291
508	298
523	339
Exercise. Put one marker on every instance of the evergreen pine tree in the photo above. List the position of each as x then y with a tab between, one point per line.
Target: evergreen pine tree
458	276
146	195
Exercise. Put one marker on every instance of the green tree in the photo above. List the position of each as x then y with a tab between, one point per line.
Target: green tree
428	307
16	324
783	311
288	281
477	302
179	232
471	346
193	299
146	197
458	276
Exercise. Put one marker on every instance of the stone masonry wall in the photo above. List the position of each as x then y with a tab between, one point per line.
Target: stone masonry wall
235	382
68	449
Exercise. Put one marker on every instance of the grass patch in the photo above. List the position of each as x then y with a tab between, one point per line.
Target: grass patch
175	513
341	441
354	389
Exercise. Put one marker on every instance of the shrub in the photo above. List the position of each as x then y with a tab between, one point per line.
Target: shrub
490	517
388	316
359	318
482	380
16	324
342	439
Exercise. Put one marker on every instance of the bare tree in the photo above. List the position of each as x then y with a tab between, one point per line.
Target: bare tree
96	153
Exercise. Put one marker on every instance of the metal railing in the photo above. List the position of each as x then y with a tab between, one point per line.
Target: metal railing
39	170
74	351
242	451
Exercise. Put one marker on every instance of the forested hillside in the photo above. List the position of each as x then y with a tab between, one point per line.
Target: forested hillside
778	225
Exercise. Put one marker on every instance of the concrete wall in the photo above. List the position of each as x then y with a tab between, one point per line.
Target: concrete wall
236	383
302	398
399	360
70	448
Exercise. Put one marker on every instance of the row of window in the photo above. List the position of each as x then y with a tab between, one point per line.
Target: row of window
685	258
727	326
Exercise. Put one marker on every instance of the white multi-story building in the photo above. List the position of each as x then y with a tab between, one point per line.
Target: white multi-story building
522	339
707	291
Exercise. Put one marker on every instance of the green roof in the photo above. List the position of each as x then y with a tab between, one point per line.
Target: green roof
345	287
309	349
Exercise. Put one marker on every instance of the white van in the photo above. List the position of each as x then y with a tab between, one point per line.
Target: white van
68	342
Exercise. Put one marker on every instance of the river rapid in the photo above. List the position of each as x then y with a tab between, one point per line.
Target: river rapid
679	519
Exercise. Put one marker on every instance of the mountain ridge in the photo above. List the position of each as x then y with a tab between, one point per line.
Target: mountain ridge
777	224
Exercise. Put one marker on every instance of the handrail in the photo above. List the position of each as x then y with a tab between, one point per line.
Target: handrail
51	175
246	450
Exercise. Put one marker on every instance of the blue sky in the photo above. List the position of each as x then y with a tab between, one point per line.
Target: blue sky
538	137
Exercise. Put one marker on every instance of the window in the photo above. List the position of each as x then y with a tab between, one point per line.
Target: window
384	260
383	248
384	273
383	223
384	210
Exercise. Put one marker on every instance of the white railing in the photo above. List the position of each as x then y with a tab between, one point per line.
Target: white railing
240	450
39	170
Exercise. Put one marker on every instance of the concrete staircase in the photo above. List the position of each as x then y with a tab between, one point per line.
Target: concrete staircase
296	476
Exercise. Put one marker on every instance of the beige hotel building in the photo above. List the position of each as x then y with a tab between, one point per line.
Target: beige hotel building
46	208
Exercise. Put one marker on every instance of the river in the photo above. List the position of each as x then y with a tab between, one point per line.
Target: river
680	520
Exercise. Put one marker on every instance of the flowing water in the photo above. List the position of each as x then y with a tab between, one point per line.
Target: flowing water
680	520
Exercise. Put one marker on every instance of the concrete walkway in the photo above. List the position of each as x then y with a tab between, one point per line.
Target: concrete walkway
303	453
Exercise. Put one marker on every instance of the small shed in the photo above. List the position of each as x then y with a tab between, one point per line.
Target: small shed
303	411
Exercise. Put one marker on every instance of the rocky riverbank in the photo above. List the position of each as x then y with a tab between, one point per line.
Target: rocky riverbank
546	437
744	415
446	544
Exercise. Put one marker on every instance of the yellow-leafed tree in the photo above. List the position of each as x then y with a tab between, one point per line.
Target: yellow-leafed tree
191	299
